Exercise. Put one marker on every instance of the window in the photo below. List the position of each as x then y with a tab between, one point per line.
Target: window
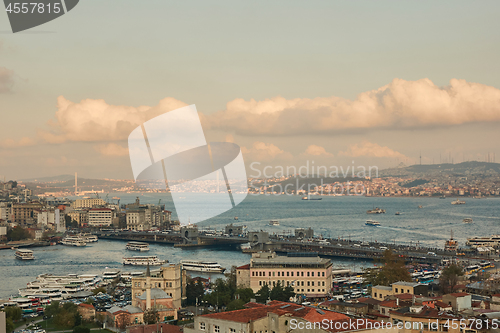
312	273
375	294
308	273
396	290
323	283
302	284
323	274
308	283
216	329
302	274
312	283
292	273
202	326
287	273
312	290
273	273
298	273
408	291
308	290
278	273
260	283
159	284
253	273
232	330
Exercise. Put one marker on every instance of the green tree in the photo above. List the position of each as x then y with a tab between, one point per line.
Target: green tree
236	304
64	319
151	316
263	294
52	309
277	293
221	295
99	290
449	278
288	293
245	294
194	290
14	313
9	325
17	234
394	270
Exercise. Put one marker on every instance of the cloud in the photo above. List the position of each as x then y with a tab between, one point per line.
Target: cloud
96	120
369	149
317	151
6	80
261	152
111	149
400	104
23	142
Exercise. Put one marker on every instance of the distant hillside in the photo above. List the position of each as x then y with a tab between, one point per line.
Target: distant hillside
60	178
458	169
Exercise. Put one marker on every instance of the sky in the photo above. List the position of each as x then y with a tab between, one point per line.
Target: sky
338	83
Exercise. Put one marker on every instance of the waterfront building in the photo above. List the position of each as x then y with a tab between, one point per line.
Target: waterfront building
136	220
170	278
87	311
307	273
23	213
80	216
100	217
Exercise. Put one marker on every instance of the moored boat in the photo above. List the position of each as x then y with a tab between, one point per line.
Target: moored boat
143	261
274	222
73	241
202	266
467	220
137	246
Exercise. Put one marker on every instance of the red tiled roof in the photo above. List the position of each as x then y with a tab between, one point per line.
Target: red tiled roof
404	296
368	300
152	328
90	306
280	308
247	266
495	295
459	294
442	304
389	304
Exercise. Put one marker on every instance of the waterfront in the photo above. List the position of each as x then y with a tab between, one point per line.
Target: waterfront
334	217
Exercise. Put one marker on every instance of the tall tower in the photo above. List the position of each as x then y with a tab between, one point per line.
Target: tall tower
148	288
76	183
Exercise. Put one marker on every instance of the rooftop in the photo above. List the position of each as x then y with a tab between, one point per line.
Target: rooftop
155	294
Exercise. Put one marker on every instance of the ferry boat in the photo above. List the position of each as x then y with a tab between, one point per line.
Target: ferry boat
88	238
372	223
143	261
137	246
274	222
493	241
397	213
202	266
458	202
376	210
24	254
57	287
110	274
467	220
311	198
73	241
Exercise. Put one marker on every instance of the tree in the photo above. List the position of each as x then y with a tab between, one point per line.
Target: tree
99	290
263	294
394	270
245	294
289	293
277	293
64	319
194	290
17	233
151	316
236	304
9	325
13	312
449	278
52	309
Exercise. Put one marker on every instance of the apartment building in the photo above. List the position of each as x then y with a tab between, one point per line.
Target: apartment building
23	213
136	220
401	287
88	203
99	217
309	274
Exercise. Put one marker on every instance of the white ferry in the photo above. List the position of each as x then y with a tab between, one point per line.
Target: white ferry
88	238
458	202
137	246
110	274
60	286
202	266
24	254
493	241
143	261
274	222
376	210
372	223
73	241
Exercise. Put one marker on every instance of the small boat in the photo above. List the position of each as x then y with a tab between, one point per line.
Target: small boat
202	266
376	210
137	246
24	254
311	198
236	217
467	220
274	222
397	213
420	206
372	223
143	261
458	202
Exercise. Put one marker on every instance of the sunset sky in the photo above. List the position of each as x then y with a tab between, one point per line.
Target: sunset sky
375	82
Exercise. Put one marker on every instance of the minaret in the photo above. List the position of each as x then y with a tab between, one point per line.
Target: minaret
148	288
76	183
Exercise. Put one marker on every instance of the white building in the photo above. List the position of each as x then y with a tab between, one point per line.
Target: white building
136	220
53	219
88	203
100	217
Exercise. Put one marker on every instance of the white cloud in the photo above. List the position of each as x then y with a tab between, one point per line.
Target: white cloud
6	80
96	120
369	149
262	152
400	104
111	149
315	150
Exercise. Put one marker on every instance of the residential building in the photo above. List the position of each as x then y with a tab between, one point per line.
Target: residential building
87	311
23	213
401	287
423	319
309	274
458	301
136	220
80	216
99	217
